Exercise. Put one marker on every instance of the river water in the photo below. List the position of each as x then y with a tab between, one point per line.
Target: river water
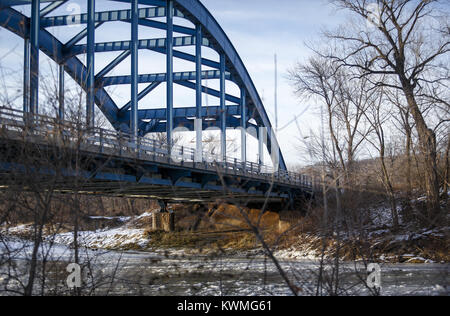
258	276
174	273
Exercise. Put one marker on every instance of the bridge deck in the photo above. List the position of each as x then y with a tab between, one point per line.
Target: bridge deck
149	168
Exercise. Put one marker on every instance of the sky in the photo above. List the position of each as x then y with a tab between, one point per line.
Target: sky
258	29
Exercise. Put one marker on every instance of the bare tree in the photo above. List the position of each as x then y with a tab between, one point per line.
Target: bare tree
345	101
406	127
446	169
406	45
378	117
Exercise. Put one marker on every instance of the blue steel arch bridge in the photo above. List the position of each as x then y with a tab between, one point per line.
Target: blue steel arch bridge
155	169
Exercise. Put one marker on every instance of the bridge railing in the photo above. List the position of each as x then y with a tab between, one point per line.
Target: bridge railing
105	141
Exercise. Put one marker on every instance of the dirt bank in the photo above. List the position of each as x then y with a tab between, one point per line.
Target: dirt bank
228	229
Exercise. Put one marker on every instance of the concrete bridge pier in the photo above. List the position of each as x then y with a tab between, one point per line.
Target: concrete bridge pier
163	206
163	219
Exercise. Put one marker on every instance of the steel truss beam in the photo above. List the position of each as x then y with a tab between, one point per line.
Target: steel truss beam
106	16
211	112
169	72
112	65
243	113
141	95
189	57
78	38
14	21
162	77
188	124
163	26
51	7
34	56
198	92
223	114
26	75
134	68
185	117
90	65
151	44
210	91
191	10
196	11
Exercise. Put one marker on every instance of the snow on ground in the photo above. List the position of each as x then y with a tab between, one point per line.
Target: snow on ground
126	236
131	235
304	250
422	234
122	219
115	238
146	214
289	254
382	215
17	230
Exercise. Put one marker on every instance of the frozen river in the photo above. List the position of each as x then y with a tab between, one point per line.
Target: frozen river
173	273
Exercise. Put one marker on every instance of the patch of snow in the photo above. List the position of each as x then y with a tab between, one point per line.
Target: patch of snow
421	198
381	216
379	232
146	214
20	229
398	238
295	254
416	260
119	218
106	239
440	289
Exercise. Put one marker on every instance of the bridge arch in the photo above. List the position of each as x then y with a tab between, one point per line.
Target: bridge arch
247	107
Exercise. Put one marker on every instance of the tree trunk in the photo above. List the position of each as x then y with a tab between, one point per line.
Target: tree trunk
40	222
325	200
427	141
447	171
390	191
339	212
33	266
408	162
407	211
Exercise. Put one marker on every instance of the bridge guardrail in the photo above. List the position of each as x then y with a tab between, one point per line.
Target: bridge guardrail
103	140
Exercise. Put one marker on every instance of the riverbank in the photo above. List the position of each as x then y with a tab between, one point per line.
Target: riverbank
226	233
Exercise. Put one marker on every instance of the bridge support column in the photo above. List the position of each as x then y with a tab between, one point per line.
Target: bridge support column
26	75
163	206
262	139
90	64
169	71
274	150
34	56
134	69
198	93
163	219
243	125
223	110
61	109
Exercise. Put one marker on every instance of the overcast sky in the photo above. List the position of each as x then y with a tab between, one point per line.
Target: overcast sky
261	28
257	28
